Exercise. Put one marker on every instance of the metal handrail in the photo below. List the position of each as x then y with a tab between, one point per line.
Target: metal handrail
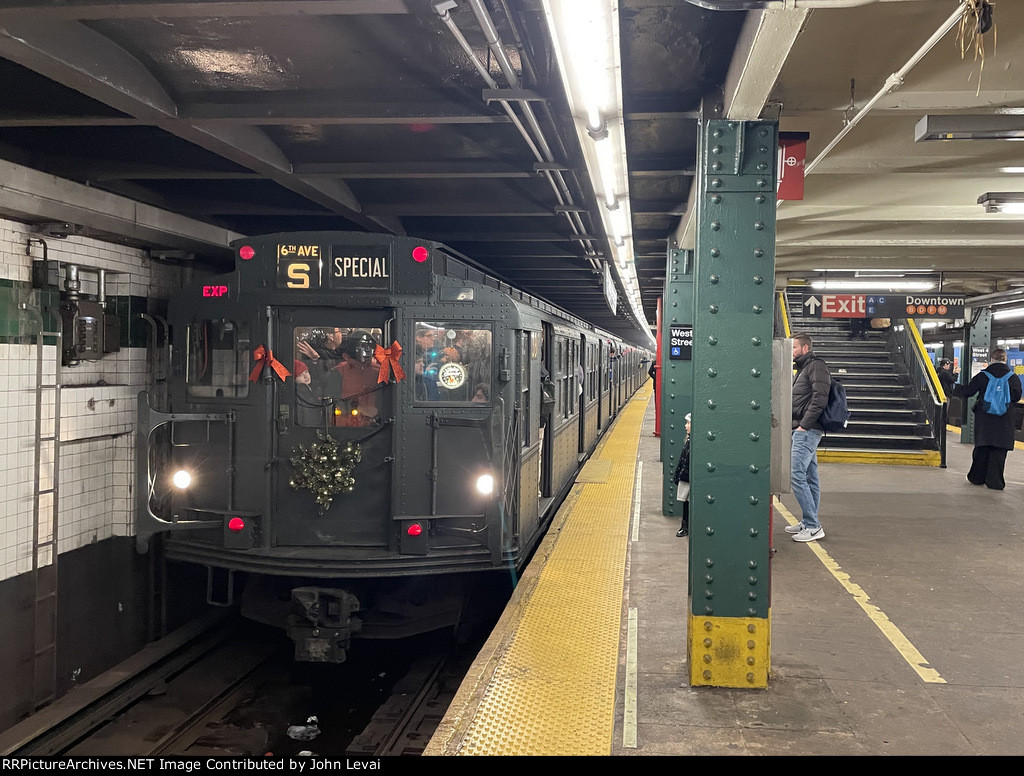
906	344
782	315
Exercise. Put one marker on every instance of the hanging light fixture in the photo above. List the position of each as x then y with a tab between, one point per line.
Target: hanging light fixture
1003	202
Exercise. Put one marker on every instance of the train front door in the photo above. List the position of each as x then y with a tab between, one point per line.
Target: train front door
331	412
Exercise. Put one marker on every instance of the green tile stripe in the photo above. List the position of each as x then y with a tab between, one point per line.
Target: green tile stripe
18	327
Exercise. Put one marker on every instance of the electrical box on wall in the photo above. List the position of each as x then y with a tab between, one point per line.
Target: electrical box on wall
88	331
46	274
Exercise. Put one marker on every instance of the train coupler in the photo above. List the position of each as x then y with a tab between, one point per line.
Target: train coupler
321	625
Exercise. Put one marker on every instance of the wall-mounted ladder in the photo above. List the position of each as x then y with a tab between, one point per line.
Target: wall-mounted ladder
45	512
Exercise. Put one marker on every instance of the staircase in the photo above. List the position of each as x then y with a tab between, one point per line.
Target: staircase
888	422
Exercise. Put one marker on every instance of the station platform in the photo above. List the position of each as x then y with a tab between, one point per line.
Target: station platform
897	634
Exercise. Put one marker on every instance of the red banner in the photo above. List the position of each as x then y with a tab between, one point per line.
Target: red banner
792	156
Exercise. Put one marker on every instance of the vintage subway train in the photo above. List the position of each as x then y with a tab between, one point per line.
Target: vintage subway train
358	431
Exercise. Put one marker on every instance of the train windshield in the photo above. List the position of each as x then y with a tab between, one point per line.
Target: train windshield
336	376
218	359
452	363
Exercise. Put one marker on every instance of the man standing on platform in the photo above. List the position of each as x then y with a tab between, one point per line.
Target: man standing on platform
947	377
810	395
993	434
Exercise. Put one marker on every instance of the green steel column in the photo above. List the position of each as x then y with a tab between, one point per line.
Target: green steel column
729	635
677	371
977	346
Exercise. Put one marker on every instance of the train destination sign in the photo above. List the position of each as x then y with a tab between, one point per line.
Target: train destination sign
883	305
311	268
680	346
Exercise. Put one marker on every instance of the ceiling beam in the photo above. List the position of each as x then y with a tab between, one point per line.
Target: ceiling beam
48	10
344	111
82	59
37	195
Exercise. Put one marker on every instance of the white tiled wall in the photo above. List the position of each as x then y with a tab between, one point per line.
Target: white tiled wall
97	413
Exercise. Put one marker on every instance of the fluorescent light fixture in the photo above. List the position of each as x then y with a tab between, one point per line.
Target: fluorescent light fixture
928	325
862	272
1012	170
1002	202
961	127
606	168
1016	312
619	219
590	65
872	285
585	37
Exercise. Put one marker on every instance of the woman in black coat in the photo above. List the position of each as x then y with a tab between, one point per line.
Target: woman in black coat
993	434
682	480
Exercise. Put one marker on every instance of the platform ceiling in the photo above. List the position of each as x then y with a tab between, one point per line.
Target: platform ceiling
181	125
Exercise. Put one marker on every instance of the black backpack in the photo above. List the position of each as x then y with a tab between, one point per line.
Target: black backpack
836	414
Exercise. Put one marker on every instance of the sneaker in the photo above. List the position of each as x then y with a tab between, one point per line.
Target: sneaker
807	535
794	528
682	532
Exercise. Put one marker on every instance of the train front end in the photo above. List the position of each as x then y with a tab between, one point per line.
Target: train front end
319	451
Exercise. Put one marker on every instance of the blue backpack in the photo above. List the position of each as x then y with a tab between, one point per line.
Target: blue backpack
997	394
836	413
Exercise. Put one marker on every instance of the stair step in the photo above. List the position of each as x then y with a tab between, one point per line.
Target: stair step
884	424
873	376
886	410
845	435
879	451
858	398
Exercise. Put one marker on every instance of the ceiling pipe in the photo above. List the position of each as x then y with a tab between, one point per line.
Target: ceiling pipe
577	225
780	5
560	188
486	23
894	80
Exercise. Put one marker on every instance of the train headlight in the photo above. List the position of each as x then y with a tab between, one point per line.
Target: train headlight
181	479
485	484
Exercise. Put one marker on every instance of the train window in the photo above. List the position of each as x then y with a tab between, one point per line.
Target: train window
218	363
452	363
336	376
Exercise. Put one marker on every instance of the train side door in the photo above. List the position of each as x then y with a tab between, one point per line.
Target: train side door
547	409
334	438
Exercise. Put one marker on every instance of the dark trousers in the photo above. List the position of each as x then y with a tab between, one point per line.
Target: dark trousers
987	467
685	524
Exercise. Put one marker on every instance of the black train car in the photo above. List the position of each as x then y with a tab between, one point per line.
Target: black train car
350	502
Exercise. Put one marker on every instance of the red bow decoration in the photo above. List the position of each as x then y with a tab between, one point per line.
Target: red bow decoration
388	360
264	357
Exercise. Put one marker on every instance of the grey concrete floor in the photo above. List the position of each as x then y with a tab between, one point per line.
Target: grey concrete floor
941	558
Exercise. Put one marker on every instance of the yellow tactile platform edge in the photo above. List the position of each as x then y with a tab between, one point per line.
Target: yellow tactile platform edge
544	684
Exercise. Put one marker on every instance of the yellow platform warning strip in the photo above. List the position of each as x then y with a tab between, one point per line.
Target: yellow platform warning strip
544	683
889	458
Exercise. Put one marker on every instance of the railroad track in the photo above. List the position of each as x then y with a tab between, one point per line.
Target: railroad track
405	722
149	702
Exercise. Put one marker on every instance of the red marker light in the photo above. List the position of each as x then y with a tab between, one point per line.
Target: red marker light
414	530
420	254
236	524
246	252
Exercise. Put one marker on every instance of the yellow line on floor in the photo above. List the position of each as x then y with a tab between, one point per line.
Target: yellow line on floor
544	684
895	636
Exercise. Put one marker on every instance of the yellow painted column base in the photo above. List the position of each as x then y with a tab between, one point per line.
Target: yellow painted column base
729	651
